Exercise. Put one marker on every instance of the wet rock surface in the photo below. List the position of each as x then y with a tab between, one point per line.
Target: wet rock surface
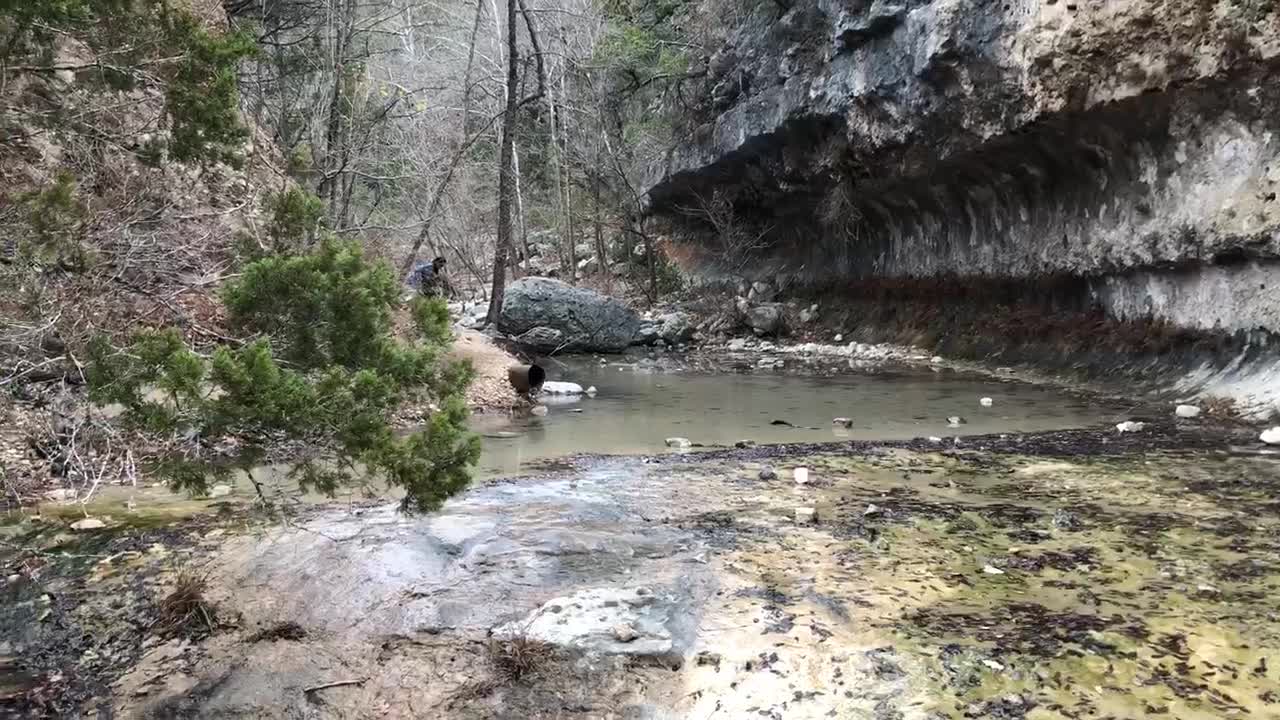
1132	581
543	310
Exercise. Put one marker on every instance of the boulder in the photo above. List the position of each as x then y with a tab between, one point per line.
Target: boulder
552	387
1186	411
675	328
766	319
586	320
541	339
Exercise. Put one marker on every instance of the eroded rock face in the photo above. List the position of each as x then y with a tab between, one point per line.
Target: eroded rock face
1129	148
585	321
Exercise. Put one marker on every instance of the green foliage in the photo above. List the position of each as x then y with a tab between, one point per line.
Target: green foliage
55	217
203	99
297	217
324	369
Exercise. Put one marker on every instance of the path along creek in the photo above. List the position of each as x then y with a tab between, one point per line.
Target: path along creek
1041	573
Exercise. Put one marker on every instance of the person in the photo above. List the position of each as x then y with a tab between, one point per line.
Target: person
429	278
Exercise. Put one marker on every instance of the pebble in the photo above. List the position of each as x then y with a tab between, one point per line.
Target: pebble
992	570
838	338
1186	411
842	421
935	439
1130	426
768	474
800	475
872	509
88	524
956	421
806	515
1271	437
986	402
592	391
624	633
678	442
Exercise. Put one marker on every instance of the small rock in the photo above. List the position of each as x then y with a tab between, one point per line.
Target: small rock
1271	437
88	524
993	665
936	359
935	439
624	633
737	345
992	570
800	475
706	657
1186	411
838	338
806	515
552	387
540	410
744	444
1130	426
679	442
219	490
842	422
872	509
768	474
986	402
591	391
956	421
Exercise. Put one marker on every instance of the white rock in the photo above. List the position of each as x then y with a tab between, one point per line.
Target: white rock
838	338
935	439
624	633
737	345
88	524
592	391
806	515
540	410
1130	426
801	475
936	359
842	422
955	421
986	402
1186	411
992	570
1271	437
872	509
678	442
552	387
219	490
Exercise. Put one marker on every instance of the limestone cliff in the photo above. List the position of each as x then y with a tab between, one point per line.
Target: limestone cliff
1131	147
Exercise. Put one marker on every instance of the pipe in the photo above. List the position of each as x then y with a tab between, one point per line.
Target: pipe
526	378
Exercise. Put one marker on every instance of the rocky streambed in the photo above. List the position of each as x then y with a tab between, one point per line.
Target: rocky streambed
1066	574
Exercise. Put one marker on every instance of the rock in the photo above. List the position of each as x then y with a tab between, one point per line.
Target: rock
219	490
553	387
743	444
768	474
678	442
766	319
809	314
800	475
541	339
956	421
992	570
587	320
935	439
1271	437
624	633
986	402
591	391
842	422
761	292
647	334
540	411
593	621
1066	520
936	359
1130	426
88	524
675	328
838	338
872	509
1186	411
737	345
806	516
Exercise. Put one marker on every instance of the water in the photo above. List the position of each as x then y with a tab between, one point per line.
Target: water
636	410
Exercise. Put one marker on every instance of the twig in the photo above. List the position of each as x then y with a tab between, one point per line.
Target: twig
337	683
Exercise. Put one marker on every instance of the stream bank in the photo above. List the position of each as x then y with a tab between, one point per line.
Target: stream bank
1065	574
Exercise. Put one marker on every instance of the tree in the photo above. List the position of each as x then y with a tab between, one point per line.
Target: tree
323	370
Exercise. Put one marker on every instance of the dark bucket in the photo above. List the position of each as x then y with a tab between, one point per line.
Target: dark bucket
526	378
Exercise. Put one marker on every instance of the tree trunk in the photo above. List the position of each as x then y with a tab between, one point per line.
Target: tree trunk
506	172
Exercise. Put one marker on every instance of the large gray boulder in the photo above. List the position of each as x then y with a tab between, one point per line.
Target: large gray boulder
586	320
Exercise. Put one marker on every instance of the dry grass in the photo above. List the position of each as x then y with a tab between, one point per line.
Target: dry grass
1222	408
520	657
184	611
